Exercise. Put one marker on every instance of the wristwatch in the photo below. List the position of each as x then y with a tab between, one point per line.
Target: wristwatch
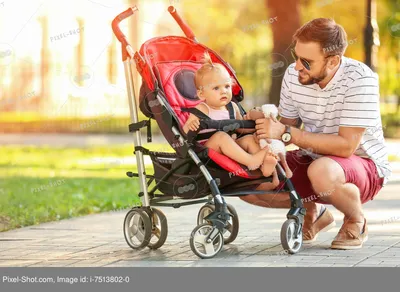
286	136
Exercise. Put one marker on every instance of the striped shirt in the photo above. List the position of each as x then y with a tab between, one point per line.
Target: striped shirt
350	99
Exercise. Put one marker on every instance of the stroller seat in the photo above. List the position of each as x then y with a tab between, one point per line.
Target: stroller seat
176	79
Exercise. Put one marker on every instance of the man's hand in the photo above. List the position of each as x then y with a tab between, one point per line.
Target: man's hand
268	128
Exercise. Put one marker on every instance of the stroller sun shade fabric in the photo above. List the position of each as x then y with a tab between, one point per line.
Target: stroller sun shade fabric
174	48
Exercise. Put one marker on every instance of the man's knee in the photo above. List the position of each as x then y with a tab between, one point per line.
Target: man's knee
325	174
249	198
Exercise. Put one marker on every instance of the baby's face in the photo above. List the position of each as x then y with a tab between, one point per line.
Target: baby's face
216	89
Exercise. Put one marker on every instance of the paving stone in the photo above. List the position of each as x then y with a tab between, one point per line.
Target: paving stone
17	263
147	264
85	263
264	258
383	264
54	263
370	262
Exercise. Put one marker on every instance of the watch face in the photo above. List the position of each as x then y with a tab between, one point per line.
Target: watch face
286	137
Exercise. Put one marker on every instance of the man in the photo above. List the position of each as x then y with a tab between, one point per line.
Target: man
342	159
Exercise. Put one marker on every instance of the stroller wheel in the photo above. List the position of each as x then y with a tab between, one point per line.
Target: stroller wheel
159	229
199	244
290	242
232	229
137	228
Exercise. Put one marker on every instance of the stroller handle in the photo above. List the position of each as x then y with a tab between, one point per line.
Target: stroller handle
182	24
115	24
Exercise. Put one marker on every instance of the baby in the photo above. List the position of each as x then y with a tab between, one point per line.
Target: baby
214	88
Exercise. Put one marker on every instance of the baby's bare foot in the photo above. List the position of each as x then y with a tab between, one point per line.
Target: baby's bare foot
269	165
289	173
256	159
286	167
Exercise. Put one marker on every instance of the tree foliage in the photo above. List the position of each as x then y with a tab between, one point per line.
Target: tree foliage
241	32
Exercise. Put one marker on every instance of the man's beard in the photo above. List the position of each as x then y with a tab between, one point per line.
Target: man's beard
314	79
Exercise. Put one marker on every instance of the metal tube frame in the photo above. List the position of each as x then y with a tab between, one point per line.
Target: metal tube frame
128	66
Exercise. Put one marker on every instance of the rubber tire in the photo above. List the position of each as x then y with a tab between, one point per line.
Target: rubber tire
164	229
235	221
284	238
146	224
193	248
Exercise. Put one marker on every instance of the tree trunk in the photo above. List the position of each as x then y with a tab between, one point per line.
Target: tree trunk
287	22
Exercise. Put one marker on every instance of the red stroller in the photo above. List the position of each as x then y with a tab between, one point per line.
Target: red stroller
193	174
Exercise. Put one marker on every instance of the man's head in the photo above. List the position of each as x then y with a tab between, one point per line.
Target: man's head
319	46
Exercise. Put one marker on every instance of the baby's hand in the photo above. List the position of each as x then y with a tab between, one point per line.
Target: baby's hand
194	125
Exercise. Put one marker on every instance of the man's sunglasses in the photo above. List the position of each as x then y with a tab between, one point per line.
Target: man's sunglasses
305	63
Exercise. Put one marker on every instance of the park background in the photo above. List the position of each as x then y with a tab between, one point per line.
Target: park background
61	73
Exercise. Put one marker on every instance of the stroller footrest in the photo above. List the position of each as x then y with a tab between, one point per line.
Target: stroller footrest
132	174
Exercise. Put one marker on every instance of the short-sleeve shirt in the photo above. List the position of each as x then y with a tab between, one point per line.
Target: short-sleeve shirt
350	99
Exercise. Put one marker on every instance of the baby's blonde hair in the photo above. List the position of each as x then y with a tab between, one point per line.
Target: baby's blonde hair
207	67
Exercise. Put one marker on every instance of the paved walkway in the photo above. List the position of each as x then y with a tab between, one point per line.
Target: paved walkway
98	240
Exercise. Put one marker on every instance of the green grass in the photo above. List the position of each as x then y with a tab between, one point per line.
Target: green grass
46	184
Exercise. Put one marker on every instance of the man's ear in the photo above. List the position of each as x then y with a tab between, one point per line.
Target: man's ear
334	61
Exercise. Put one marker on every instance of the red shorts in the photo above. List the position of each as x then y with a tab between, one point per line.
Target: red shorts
359	171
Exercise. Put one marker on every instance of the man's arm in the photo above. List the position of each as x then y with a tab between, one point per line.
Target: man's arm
343	145
290	122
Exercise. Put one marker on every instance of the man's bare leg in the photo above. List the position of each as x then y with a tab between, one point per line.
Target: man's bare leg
277	200
334	190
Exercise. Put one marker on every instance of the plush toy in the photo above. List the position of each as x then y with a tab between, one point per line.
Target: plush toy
270	111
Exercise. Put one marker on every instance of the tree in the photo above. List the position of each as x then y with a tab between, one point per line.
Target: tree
288	21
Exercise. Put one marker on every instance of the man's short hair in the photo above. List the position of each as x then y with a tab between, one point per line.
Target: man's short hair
331	36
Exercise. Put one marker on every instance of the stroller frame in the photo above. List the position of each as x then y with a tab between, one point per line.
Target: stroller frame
147	226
